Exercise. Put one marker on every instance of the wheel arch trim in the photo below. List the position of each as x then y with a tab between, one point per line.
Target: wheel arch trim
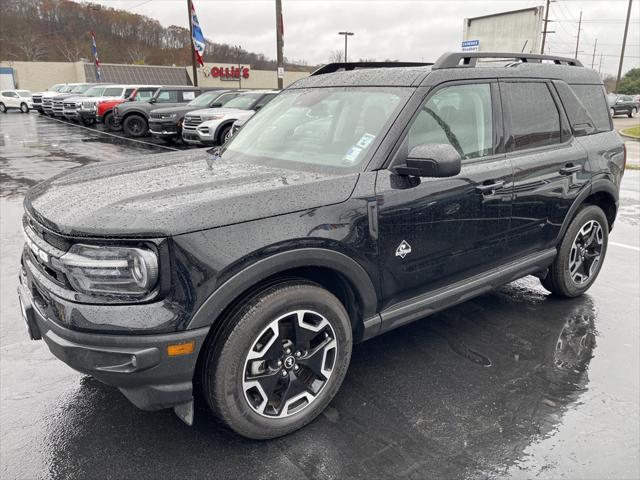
600	185
211	309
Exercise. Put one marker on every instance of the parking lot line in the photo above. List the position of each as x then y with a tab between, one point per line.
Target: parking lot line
630	247
113	135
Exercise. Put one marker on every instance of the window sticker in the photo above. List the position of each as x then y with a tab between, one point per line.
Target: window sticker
351	156
365	141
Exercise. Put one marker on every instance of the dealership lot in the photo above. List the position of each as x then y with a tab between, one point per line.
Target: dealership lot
511	384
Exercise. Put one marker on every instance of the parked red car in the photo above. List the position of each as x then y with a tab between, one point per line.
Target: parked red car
104	111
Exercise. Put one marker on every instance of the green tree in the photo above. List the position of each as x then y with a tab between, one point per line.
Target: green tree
630	83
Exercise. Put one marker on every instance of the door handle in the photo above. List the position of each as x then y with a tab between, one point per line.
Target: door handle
489	187
570	168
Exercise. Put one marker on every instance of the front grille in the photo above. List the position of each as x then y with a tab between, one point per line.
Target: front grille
36	99
157	116
47	103
58	106
44	245
192	121
70	106
88	105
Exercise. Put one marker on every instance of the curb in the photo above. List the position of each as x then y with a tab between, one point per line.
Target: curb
634	139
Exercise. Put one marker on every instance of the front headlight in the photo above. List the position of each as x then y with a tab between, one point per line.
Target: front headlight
110	271
169	115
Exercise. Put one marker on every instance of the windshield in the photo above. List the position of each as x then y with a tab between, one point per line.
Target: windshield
24	93
244	101
203	100
325	129
80	88
57	87
94	92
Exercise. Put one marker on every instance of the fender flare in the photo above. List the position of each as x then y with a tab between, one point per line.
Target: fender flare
208	313
597	186
229	122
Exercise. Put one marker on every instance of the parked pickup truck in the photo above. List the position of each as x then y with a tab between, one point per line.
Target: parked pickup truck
134	117
104	112
89	106
47	97
59	100
37	97
166	123
212	126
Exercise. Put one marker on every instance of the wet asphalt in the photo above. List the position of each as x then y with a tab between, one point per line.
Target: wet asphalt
512	384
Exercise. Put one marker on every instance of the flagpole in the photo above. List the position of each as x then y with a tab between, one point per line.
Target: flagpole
193	50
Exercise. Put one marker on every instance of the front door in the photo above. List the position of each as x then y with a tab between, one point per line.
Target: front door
435	231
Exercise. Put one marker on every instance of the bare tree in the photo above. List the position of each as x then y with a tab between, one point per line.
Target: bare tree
137	55
28	47
72	50
336	56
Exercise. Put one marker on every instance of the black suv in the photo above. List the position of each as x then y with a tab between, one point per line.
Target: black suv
134	117
623	105
166	123
360	199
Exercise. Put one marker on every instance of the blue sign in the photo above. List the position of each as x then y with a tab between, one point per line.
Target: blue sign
471	43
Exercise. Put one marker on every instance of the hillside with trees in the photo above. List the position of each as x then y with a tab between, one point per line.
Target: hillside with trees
60	31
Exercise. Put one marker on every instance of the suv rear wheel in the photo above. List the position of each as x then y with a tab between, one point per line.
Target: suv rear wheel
279	361
3	108
580	254
135	126
633	113
24	108
108	122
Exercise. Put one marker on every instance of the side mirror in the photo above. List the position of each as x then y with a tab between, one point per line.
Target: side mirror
431	160
152	100
215	105
257	107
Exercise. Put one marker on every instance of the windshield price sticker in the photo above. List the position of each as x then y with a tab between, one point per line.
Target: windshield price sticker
351	156
365	140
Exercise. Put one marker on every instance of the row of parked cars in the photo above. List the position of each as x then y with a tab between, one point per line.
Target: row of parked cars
194	115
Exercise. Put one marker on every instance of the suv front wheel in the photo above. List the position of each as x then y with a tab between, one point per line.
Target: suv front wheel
580	254
279	361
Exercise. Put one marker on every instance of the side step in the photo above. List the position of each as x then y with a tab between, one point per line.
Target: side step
419	307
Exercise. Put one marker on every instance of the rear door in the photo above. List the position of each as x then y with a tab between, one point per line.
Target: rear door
436	231
549	164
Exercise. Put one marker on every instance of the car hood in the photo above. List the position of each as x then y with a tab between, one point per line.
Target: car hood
174	193
207	112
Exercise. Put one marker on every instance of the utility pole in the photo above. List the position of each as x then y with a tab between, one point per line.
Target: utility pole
546	27
346	35
578	39
624	44
600	66
193	49
279	43
593	58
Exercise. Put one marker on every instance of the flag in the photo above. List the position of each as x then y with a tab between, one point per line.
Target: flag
198	37
96	60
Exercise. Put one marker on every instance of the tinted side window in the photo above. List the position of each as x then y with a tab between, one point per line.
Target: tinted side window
534	118
579	118
459	115
594	100
187	96
113	92
168	96
144	95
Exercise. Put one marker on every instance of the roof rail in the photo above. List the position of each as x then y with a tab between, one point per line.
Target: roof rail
469	59
334	67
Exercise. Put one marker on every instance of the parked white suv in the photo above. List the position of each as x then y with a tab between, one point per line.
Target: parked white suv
19	99
211	126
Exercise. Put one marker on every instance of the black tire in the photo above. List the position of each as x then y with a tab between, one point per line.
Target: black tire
225	361
108	122
24	108
633	112
135	126
559	280
3	108
87	122
222	136
612	112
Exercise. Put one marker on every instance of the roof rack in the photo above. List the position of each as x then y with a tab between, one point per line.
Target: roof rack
334	67
469	59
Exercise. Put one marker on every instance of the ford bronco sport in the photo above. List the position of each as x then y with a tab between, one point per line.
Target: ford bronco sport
360	199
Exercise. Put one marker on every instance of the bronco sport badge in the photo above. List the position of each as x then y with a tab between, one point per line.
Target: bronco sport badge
403	249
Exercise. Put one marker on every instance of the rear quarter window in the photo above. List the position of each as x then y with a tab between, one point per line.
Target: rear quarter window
594	100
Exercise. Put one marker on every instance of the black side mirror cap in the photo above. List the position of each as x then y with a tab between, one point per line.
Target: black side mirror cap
215	105
431	160
152	100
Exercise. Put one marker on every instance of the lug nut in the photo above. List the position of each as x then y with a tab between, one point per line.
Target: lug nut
279	363
296	367
284	373
288	351
298	353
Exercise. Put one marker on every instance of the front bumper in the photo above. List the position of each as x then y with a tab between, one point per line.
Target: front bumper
196	136
87	114
71	114
138	365
163	129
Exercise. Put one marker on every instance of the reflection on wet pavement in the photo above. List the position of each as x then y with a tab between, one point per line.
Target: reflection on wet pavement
512	384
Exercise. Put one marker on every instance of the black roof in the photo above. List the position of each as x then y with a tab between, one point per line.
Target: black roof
456	65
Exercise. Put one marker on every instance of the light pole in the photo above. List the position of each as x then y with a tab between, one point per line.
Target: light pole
346	35
238	49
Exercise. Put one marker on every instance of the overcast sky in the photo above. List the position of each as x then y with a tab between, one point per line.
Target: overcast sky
411	30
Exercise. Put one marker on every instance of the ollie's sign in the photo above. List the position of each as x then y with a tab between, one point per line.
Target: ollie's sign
230	73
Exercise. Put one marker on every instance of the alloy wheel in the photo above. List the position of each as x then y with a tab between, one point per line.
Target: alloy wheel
586	252
289	364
